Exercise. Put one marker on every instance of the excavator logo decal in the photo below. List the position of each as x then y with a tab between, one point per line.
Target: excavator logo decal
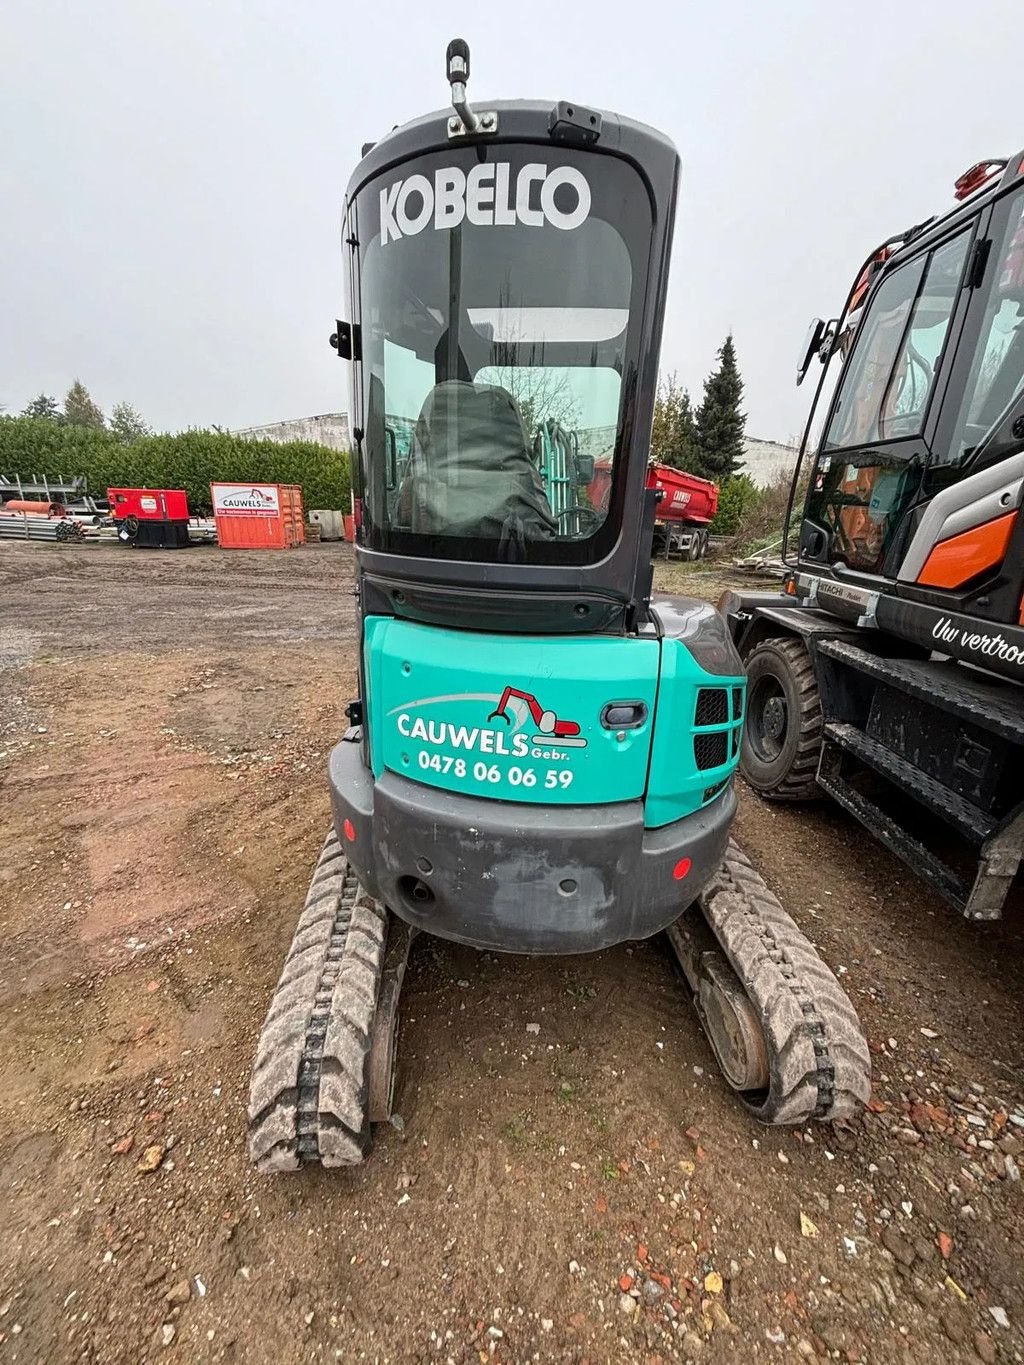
566	732
487	197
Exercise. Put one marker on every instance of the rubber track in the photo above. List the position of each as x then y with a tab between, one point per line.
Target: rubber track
308	1093
819	1062
799	784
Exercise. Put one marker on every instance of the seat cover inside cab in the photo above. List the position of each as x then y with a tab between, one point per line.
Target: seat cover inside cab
470	473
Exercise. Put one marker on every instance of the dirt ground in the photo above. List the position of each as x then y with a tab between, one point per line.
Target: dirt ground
588	1192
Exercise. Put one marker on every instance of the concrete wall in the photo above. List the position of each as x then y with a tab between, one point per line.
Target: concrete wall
329	429
766	461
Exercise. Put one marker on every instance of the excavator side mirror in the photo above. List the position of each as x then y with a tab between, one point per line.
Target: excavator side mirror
345	339
809	349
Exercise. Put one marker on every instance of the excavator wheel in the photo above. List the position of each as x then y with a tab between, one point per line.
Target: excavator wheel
783	729
325	1058
783	1030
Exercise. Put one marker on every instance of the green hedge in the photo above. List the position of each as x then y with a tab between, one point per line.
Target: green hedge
190	460
736	496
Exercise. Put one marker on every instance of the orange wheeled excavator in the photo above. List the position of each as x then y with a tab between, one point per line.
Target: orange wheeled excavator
889	674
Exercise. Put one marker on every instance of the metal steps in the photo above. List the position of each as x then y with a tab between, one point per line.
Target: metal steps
976	824
923	861
993	705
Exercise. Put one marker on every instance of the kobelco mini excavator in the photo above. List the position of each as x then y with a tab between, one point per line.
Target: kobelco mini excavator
541	756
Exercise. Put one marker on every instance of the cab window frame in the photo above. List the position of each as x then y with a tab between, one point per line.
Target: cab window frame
576	551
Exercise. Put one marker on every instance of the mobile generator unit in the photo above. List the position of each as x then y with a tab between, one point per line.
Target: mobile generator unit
541	757
154	518
890	673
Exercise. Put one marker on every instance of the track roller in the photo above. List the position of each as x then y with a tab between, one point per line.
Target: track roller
783	1030
324	1064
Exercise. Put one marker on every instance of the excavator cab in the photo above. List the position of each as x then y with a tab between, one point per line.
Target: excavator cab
541	755
931	396
506	291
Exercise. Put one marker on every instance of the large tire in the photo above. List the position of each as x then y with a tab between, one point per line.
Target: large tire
783	730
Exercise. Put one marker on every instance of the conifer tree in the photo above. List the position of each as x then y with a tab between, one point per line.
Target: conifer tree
79	408
720	420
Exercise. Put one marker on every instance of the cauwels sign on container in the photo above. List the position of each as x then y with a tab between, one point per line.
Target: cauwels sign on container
528	734
246	499
485	197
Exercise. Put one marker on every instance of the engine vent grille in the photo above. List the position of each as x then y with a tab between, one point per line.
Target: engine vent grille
712	706
710	751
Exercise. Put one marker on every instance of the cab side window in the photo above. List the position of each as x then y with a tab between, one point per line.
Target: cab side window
905	405
855	420
891	375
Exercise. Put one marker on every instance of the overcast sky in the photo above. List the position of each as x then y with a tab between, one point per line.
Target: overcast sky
173	172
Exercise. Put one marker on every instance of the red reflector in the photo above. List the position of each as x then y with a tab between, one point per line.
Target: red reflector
681	868
349	830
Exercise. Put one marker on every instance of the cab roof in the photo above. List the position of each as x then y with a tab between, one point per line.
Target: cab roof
561	124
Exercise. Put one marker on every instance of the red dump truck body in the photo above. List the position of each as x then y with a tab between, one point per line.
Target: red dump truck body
686	499
686	507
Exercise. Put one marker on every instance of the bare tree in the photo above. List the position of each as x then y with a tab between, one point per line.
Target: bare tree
127	423
543	392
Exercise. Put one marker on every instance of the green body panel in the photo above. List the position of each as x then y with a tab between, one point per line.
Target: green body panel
676	786
432	695
432	692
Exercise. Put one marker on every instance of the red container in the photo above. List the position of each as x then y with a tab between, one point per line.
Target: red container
258	516
349	523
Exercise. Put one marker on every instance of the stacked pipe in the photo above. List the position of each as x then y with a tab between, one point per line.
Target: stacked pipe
32	526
